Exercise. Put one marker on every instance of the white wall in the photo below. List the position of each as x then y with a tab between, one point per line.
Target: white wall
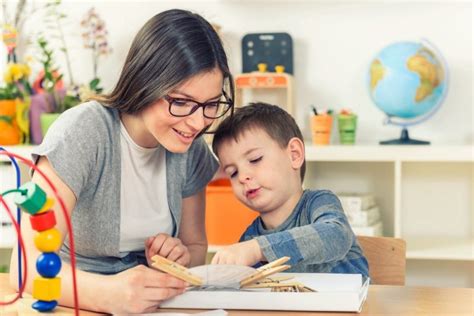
334	42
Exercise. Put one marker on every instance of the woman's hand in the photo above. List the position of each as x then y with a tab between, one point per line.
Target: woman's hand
141	290
169	247
245	253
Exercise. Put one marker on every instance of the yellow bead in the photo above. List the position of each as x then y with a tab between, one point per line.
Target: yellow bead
48	240
47	206
46	289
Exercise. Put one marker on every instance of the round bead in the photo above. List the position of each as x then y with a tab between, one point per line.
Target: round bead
48	264
48	240
43	221
44	306
33	200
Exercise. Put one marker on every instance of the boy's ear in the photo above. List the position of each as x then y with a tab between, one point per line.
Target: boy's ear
296	151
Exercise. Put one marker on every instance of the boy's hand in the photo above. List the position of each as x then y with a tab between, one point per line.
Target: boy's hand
169	247
245	253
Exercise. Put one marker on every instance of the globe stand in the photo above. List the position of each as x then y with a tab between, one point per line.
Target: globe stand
404	140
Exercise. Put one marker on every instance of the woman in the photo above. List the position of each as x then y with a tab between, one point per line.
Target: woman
132	168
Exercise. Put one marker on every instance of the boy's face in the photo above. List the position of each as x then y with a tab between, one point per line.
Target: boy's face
263	175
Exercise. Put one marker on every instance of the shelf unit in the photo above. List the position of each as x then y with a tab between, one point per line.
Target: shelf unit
425	194
388	171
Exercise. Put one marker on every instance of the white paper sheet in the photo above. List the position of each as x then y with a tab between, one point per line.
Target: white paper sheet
224	276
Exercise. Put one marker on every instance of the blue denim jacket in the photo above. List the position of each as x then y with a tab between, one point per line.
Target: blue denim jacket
317	237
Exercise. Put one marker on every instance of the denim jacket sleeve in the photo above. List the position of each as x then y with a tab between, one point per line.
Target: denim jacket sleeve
326	237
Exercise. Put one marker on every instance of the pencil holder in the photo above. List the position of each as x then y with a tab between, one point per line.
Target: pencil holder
347	125
321	129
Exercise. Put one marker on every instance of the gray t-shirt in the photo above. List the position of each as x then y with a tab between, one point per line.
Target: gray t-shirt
83	147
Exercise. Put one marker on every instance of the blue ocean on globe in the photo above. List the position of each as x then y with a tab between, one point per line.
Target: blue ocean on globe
407	80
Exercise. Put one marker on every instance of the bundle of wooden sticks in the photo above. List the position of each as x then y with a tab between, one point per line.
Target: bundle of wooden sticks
259	279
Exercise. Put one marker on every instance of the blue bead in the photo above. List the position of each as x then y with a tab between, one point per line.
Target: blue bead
48	264
43	306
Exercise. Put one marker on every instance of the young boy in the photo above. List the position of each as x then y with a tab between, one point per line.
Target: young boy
261	150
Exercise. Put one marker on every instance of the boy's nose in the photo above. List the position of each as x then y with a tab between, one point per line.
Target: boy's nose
244	178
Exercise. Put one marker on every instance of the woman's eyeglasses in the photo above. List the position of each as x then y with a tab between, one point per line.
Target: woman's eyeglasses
180	107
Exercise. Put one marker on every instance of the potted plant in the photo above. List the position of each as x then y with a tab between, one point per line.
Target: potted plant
47	102
52	98
14	103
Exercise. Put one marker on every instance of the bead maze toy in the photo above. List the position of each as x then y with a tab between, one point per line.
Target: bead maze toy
33	200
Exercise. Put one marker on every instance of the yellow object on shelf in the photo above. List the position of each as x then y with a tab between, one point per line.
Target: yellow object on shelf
262	67
280	69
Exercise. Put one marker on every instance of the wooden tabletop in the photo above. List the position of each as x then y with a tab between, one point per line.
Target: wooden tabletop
381	300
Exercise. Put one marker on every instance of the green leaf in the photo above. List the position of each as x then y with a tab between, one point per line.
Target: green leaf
94	83
7	119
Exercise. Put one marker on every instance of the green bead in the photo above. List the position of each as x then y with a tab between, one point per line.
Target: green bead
33	200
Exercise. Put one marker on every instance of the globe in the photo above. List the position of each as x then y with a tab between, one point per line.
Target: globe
408	81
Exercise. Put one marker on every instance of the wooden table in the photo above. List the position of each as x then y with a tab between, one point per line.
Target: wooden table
381	300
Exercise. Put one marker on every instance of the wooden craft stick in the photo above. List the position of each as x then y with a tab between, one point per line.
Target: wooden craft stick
175	269
266	270
259	275
274	263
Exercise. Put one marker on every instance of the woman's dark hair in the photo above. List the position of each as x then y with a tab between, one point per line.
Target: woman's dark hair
275	121
170	48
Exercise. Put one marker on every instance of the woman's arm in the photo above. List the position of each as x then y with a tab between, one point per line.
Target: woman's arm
192	230
136	290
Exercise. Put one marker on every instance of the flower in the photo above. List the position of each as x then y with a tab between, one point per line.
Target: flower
16	72
94	37
16	79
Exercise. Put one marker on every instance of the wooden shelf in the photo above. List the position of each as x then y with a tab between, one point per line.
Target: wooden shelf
440	249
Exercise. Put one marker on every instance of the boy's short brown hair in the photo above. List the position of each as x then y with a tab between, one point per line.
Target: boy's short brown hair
275	121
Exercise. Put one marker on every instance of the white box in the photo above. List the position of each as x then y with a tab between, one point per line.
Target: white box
373	230
356	202
364	218
335	293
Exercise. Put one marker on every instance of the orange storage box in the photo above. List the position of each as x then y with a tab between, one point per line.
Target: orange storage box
226	217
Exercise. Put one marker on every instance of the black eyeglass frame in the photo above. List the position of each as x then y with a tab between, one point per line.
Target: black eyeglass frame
229	102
